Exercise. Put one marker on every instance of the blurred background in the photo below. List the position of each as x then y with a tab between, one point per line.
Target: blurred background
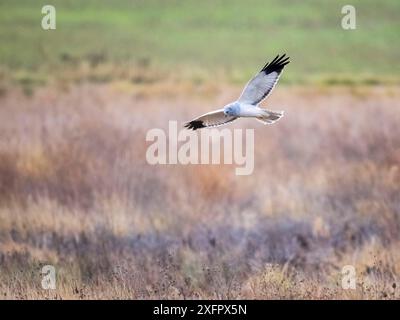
76	191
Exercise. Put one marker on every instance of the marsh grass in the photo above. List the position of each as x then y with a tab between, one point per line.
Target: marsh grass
76	192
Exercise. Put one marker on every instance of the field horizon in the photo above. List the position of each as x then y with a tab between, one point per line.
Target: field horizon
150	41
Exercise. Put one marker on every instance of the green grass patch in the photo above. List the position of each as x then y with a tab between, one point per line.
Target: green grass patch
233	38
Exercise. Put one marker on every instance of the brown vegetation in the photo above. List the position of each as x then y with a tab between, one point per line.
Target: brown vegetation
76	192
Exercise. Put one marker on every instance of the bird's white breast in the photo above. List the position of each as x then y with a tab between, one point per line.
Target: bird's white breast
249	110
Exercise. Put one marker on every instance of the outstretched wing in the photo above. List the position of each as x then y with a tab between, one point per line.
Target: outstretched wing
210	119
262	84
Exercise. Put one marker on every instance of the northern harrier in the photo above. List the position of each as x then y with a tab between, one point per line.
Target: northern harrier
256	90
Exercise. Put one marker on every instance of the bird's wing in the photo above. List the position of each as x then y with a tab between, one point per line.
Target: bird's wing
210	119
262	84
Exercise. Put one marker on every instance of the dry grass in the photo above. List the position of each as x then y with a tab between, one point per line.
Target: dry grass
76	192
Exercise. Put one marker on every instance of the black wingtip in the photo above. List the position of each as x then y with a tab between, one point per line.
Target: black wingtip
194	125
276	65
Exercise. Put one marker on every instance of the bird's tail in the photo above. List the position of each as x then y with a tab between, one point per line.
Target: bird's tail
270	117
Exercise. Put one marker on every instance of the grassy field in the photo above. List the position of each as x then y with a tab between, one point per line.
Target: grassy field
196	41
76	191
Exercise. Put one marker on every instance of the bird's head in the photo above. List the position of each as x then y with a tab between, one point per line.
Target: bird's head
231	109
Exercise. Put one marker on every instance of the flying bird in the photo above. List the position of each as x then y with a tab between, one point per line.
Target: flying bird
247	106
